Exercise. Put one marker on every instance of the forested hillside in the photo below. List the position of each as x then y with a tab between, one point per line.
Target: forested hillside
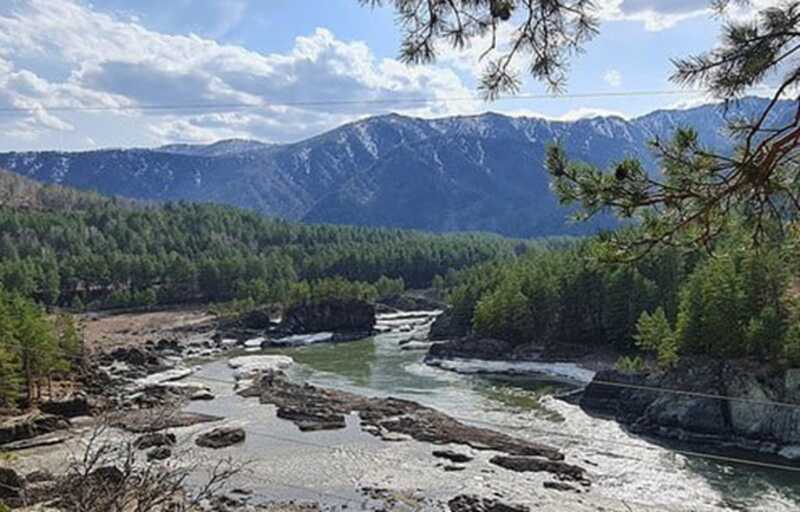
68	248
740	302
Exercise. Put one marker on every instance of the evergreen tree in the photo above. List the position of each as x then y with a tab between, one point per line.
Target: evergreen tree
655	334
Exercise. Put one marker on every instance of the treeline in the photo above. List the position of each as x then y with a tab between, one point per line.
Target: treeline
104	255
737	303
33	347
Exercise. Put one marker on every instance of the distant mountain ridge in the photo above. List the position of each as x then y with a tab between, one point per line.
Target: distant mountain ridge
466	173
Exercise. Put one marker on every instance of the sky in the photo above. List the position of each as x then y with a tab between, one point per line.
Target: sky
121	63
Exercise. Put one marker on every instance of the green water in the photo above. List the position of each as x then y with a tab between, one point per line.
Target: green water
623	466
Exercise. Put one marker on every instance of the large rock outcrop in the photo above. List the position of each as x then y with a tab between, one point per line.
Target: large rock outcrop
221	437
68	407
447	327
30	426
314	408
760	408
330	316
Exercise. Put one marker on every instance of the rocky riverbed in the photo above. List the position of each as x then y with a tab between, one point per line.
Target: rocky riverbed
366	426
137	382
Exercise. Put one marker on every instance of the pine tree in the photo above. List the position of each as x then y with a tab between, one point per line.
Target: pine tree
655	334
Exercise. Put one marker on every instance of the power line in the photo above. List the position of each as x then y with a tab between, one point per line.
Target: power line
696	394
345	102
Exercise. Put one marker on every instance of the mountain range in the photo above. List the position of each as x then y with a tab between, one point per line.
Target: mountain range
468	173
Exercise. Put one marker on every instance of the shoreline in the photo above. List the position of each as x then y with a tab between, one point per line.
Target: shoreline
138	377
603	392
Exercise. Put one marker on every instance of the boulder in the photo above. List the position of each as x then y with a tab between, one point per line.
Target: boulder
447	327
452	456
107	476
171	375
134	356
154	440
256	319
160	453
329	316
168	345
468	503
143	421
523	464
248	367
221	437
560	486
310	419
70	407
454	468
12	487
30	426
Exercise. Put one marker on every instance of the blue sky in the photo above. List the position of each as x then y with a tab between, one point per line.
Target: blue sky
112	54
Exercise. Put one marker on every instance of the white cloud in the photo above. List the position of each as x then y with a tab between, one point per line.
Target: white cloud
112	61
613	78
25	94
659	15
654	14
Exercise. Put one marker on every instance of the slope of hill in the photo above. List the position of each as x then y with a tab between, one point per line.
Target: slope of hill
65	246
21	193
462	173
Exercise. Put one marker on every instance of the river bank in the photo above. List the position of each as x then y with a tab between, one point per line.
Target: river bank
744	404
352	466
137	380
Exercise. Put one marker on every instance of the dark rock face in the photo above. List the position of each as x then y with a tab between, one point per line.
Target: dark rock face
143	421
336	316
257	319
12	487
471	348
70	407
107	475
751	415
30	426
559	486
447	327
536	465
221	438
312	419
452	456
168	345
135	356
467	503
161	453
154	440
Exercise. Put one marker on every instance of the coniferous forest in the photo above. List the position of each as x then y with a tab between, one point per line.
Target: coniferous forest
81	251
738	302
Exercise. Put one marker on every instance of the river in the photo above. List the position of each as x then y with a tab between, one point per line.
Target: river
628	473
